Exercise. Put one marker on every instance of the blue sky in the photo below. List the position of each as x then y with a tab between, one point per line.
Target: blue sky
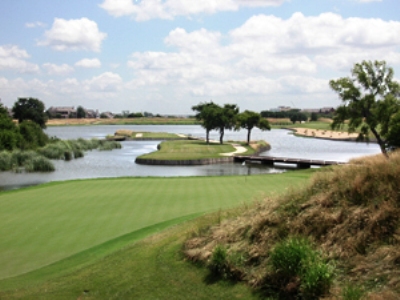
164	56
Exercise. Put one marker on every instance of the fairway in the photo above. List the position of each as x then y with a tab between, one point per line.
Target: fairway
45	224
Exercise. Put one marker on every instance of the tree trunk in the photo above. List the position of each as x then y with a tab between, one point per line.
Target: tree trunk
248	136
381	143
221	136
208	136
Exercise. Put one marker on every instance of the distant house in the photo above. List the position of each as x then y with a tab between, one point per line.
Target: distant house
91	113
62	112
107	115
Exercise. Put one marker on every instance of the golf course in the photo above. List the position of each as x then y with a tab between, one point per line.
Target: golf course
52	230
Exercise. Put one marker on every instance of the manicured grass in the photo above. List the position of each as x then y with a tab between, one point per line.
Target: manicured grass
158	135
150	269
45	224
184	150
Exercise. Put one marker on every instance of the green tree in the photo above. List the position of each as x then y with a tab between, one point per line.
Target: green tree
226	119
80	112
30	109
314	117
297	117
370	103
208	113
8	131
32	135
250	119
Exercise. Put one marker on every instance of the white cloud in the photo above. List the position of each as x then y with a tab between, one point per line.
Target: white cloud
106	82
168	9
78	34
53	69
35	24
88	63
14	58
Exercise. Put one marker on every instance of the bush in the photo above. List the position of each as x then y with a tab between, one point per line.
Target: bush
5	161
299	270
20	158
8	140
351	292
109	145
32	135
289	255
39	164
218	263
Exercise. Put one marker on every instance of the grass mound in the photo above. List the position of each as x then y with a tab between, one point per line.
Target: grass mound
348	215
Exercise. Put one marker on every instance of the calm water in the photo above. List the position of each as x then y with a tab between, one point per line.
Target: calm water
121	162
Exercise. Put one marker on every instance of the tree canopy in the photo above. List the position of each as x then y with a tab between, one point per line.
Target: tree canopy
80	112
370	103
250	119
30	109
209	114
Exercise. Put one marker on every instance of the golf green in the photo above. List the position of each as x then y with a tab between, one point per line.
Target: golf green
47	223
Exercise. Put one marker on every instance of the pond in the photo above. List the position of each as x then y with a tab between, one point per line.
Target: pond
121	162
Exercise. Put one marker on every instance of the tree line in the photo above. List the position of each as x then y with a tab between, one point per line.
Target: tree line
227	117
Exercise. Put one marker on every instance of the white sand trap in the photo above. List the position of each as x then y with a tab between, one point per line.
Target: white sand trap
139	134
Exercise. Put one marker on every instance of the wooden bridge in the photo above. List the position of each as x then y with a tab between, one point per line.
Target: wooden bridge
301	163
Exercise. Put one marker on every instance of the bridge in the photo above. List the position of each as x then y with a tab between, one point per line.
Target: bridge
300	162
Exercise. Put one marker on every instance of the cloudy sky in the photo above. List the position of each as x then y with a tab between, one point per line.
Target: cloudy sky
164	56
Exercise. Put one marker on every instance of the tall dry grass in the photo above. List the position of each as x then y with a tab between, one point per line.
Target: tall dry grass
350	213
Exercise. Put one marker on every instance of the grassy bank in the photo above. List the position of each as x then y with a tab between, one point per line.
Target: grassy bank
198	149
45	224
338	237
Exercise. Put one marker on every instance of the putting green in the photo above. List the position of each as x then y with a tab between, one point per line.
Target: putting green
45	224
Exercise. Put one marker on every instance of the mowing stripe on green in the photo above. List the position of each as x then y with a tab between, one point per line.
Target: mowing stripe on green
42	225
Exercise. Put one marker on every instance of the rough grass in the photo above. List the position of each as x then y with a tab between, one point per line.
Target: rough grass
45	224
350	213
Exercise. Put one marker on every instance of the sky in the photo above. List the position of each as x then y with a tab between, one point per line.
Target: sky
164	56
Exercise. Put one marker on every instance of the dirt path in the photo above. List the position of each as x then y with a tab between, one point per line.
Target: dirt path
239	149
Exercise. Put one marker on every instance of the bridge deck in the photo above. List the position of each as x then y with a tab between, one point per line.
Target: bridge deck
300	162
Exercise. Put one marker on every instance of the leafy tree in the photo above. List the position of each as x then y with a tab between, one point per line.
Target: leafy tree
32	135
297	117
370	103
314	117
8	131
30	109
208	113
250	119
227	116
80	112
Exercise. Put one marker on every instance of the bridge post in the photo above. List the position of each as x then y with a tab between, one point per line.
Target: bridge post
303	165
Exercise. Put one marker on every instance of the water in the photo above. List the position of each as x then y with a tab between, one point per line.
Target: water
121	162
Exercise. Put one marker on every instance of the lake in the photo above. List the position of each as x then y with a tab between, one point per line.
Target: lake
121	162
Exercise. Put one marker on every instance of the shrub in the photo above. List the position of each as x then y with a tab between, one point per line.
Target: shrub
299	270
218	263
5	161
289	255
8	140
20	158
39	164
351	292
109	145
